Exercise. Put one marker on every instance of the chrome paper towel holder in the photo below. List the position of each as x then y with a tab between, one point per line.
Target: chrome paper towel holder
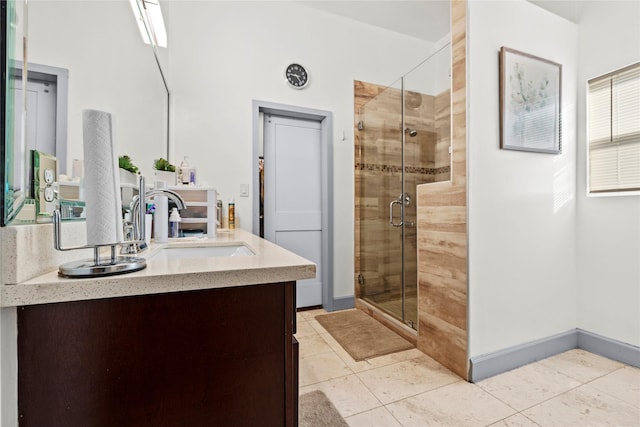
97	267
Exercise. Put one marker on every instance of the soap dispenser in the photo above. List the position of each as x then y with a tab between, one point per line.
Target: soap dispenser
174	223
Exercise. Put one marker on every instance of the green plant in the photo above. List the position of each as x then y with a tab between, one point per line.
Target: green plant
163	165
124	162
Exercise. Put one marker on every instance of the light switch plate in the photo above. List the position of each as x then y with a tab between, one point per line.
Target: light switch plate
244	190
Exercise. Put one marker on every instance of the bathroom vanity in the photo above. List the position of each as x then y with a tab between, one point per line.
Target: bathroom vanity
197	340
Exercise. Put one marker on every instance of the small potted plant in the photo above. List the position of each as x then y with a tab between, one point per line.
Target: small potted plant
165	171
128	171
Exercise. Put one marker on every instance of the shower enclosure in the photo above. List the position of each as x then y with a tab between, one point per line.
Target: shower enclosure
403	140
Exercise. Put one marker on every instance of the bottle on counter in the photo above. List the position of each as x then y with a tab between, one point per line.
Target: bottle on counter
174	223
219	213
185	172
161	215
232	215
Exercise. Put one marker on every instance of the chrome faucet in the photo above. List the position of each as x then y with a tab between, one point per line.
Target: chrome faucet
135	227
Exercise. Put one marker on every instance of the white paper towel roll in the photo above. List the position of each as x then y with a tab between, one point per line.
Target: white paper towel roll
101	180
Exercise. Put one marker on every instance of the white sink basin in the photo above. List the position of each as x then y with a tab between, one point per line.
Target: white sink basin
178	252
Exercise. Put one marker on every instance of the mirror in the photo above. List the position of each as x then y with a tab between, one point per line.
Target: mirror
197	71
81	55
12	34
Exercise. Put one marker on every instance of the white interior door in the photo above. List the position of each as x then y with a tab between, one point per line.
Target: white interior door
293	194
40	126
41	116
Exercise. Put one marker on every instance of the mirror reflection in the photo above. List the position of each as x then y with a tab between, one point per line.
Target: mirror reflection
224	54
96	60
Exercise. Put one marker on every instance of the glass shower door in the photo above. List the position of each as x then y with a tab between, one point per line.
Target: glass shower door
381	206
404	138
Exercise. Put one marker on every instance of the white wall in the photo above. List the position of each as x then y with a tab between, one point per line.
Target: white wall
223	55
433	75
608	227
522	206
110	69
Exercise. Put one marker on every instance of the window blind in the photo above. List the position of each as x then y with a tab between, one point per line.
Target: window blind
614	131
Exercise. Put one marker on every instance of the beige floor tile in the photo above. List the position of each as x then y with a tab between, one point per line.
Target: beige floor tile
316	326
313	344
527	386
401	356
584	406
347	394
623	384
403	379
420	392
321	367
378	417
581	365
310	314
517	420
459	404
300	317
303	329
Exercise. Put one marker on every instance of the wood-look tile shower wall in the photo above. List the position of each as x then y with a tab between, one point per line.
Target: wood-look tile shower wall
442	232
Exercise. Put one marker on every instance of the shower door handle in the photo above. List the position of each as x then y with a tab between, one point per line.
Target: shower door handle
394	202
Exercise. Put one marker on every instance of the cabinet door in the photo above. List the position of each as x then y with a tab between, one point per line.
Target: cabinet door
218	357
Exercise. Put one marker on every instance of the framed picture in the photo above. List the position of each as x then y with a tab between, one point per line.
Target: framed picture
530	101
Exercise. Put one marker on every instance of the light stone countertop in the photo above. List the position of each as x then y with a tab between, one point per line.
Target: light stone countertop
270	264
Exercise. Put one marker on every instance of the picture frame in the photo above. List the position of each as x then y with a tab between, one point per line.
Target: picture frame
530	102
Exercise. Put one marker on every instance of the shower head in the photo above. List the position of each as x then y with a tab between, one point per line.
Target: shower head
411	132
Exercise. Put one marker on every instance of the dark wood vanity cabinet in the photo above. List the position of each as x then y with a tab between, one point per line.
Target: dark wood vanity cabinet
215	357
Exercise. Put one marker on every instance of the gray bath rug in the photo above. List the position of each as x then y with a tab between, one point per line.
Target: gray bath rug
316	410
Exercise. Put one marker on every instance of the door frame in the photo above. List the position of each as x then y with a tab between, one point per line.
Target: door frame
326	131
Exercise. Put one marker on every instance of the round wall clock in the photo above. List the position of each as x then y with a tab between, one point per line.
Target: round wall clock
297	76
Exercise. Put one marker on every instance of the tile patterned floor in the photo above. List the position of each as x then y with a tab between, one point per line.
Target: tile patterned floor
575	388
